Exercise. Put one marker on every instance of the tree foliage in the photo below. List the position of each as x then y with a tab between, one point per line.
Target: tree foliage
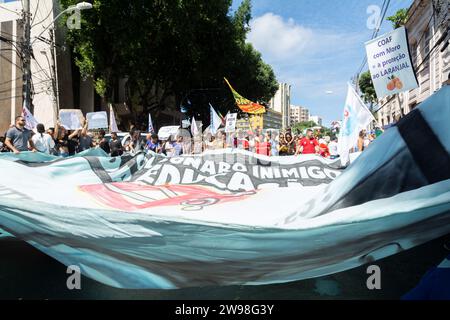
367	89
168	48
399	19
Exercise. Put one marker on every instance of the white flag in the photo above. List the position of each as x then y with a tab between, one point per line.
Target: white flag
151	129
356	118
216	121
112	120
30	120
194	128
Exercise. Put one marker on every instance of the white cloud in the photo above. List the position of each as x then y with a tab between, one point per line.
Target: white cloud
278	39
284	41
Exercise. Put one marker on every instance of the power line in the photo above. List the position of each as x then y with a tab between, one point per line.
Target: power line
9	10
48	15
35	11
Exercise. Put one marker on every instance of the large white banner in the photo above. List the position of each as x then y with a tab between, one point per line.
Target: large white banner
230	217
390	63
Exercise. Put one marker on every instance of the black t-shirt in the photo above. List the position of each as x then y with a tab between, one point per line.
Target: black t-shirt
116	148
72	145
105	145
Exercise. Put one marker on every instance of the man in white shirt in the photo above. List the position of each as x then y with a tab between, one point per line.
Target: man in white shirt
42	141
333	148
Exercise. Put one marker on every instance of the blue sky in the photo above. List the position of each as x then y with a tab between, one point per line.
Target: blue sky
315	45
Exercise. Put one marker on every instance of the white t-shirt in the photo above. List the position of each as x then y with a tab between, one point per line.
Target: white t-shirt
43	143
333	147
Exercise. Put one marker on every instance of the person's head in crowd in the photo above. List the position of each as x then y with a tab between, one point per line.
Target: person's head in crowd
135	134
154	138
362	133
288	136
40	129
20	122
309	134
51	131
282	139
179	138
113	135
102	133
62	132
148	137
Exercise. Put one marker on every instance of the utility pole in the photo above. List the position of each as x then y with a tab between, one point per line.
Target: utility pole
26	56
54	73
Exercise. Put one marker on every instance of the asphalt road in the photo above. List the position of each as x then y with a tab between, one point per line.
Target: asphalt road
26	273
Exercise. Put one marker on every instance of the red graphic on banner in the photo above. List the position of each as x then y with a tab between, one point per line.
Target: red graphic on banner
127	196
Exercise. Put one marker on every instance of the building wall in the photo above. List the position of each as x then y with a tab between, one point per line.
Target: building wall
432	69
316	119
299	114
281	103
272	119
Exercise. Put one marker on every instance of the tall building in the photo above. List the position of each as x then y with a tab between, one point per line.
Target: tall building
269	120
281	103
316	119
299	114
428	36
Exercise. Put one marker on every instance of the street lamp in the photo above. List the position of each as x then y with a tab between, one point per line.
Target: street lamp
79	6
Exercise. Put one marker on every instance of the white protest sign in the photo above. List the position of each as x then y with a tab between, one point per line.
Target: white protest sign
165	132
231	122
390	63
71	118
97	120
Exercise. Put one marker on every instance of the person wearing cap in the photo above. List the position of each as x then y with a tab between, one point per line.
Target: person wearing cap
43	142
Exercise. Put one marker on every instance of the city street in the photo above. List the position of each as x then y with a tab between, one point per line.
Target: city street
26	273
224	150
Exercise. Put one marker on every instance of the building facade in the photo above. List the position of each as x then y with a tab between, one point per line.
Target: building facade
281	103
316	119
428	36
299	114
51	66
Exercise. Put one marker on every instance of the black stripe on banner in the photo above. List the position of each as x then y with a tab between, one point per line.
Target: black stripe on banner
425	147
98	169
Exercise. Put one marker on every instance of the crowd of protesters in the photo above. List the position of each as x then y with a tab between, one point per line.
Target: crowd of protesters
64	143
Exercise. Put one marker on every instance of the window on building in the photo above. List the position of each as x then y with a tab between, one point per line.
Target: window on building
414	54
426	48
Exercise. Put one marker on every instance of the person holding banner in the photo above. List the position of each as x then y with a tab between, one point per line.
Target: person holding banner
309	144
115	145
43	142
152	143
84	139
18	137
65	141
